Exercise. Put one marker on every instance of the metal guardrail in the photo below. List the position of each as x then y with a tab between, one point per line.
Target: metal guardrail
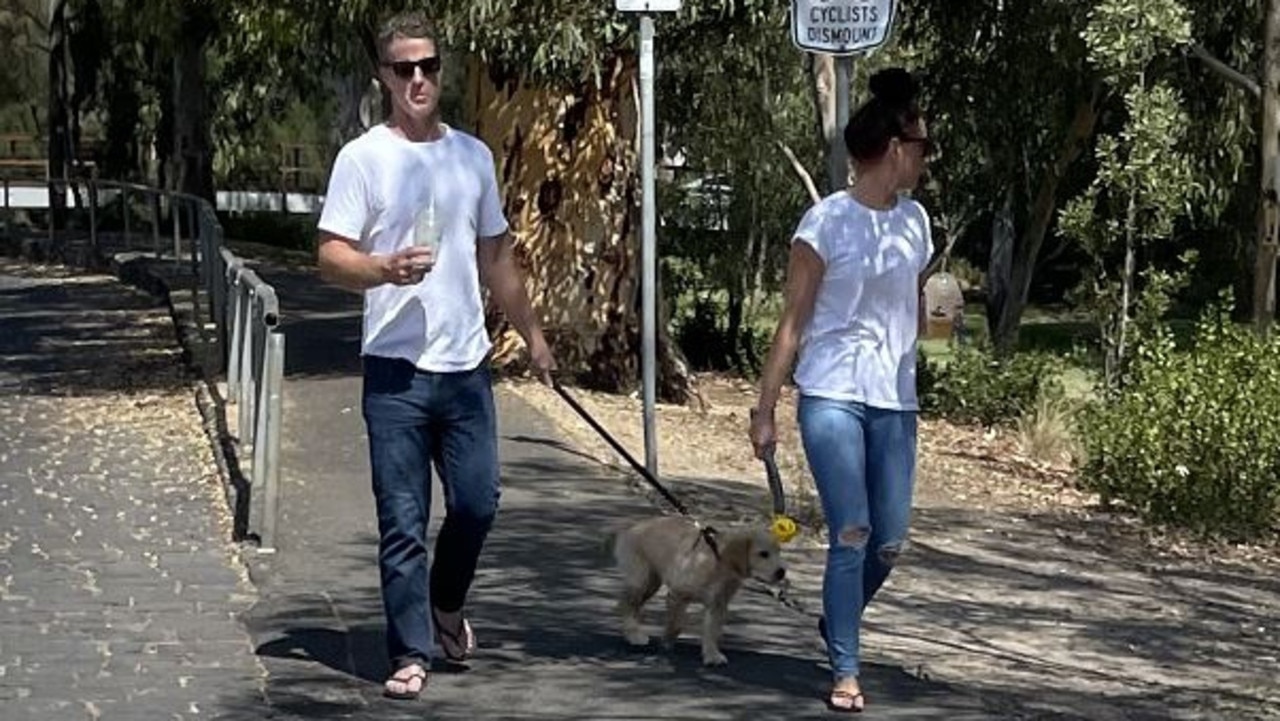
231	302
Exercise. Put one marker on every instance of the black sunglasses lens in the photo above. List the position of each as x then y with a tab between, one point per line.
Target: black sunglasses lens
404	68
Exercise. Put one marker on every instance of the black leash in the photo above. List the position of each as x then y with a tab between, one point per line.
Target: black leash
708	533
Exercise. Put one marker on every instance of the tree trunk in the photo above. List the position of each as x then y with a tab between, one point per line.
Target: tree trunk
59	137
566	162
192	155
1264	277
1000	267
1005	316
1116	355
823	73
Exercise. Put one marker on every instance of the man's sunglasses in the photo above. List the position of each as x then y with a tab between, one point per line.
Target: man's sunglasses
926	144
403	69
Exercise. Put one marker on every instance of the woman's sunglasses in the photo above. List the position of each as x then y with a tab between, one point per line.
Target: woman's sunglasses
926	144
403	69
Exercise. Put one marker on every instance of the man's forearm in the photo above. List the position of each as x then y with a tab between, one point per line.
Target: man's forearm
506	284
348	268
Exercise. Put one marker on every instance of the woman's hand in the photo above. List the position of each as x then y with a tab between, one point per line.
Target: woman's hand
764	433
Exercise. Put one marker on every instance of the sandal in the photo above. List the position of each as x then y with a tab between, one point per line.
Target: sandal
846	701
415	672
457	643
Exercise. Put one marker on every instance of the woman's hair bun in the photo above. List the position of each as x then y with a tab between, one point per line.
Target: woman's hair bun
895	86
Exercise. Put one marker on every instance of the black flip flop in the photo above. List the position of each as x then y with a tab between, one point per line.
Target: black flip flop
457	645
852	698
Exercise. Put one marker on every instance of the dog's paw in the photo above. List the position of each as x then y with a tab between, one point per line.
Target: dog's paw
637	638
713	657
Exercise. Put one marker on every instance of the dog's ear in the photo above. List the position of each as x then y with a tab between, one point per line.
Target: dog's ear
736	554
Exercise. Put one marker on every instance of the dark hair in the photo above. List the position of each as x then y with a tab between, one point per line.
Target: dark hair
410	24
887	115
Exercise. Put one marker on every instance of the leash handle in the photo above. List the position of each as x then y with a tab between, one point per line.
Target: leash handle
775	485
784	527
775	478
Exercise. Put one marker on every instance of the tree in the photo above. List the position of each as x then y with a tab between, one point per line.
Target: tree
1225	18
733	203
1144	178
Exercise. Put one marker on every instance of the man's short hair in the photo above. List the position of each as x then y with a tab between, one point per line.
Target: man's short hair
408	24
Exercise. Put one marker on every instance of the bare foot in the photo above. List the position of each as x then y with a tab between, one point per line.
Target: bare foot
406	683
847	696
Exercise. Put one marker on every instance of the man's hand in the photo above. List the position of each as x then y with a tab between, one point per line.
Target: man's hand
408	266
544	364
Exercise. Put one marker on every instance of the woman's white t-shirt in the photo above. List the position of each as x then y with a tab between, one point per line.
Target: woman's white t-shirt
860	344
379	185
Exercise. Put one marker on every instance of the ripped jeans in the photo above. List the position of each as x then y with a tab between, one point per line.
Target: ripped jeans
863	462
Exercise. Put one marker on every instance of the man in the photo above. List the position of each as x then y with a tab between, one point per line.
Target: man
412	219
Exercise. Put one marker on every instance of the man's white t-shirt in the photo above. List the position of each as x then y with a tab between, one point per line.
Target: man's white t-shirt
379	184
860	344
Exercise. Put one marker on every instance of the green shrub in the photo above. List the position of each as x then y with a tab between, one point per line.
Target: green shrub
975	386
1192	437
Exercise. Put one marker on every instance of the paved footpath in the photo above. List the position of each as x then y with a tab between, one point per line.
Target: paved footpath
119	597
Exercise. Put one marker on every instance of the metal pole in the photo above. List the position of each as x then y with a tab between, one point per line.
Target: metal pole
53	215
237	335
93	221
648	251
155	225
124	205
839	166
270	440
177	229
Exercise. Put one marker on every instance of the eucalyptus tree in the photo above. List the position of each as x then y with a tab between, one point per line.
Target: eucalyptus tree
1239	41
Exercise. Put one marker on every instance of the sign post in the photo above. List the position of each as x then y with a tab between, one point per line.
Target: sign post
648	220
842	28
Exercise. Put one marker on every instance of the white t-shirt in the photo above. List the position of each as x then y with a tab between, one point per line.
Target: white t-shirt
860	344
379	185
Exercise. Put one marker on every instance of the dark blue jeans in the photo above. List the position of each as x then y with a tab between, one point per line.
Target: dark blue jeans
416	418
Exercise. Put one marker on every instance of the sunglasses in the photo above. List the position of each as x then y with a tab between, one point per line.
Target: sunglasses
403	69
926	144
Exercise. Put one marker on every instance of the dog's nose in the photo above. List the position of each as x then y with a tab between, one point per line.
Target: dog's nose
779	574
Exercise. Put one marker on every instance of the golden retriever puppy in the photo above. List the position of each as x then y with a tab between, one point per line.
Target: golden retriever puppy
670	551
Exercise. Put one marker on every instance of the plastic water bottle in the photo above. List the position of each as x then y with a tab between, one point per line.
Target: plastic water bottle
427	229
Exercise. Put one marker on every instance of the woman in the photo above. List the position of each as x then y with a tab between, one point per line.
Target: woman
852	311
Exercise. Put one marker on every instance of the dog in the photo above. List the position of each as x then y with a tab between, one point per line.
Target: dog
671	551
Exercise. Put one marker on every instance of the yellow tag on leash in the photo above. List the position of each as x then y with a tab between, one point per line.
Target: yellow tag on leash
783	528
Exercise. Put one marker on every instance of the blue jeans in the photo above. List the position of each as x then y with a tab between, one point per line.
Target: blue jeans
415	418
863	463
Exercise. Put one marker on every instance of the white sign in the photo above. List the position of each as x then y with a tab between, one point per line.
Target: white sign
648	6
841	27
